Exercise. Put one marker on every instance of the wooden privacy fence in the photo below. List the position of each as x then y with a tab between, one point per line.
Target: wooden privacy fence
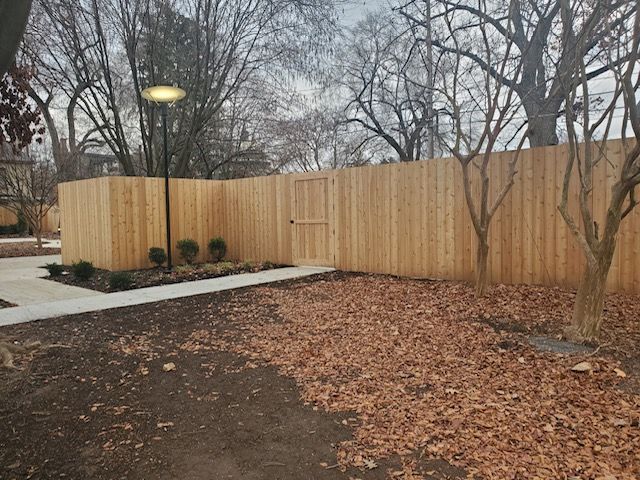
403	219
7	217
49	223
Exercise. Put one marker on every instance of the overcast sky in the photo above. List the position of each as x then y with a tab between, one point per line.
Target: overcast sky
356	10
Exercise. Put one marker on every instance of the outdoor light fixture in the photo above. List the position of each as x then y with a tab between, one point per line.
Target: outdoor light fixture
164	95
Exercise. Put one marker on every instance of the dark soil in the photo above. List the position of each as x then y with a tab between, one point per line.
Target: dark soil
159	276
97	404
94	402
547	344
25	249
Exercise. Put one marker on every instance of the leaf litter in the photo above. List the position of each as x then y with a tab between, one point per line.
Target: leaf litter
426	373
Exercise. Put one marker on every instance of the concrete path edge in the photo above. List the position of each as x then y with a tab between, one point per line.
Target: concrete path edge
42	311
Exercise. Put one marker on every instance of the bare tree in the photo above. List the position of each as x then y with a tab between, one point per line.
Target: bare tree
532	27
112	49
233	143
388	87
30	186
485	101
68	140
316	136
69	135
588	129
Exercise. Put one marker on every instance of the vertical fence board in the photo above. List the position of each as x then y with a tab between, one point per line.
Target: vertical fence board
407	219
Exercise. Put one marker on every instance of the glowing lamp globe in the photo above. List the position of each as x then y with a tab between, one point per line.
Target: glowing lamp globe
163	94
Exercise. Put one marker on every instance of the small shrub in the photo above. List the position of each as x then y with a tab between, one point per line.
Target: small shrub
54	269
210	267
217	248
247	266
8	229
157	255
268	265
120	280
188	249
225	267
83	269
183	268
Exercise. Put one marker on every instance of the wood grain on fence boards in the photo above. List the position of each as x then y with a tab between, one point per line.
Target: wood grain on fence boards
7	217
50	221
403	219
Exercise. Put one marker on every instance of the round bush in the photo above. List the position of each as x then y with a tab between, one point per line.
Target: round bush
120	280
217	248
83	269
188	249
157	255
54	269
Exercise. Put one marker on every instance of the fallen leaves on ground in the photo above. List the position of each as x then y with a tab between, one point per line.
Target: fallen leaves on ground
425	372
139	345
25	249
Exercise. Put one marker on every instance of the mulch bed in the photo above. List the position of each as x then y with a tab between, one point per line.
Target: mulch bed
407	379
159	276
25	249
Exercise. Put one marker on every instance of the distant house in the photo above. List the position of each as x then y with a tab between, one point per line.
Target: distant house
12	162
90	164
94	164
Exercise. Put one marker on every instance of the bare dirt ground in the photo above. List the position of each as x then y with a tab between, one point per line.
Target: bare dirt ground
24	249
339	376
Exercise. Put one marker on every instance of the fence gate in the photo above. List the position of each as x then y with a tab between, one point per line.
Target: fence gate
313	220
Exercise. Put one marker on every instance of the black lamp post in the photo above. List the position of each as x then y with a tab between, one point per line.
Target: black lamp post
164	95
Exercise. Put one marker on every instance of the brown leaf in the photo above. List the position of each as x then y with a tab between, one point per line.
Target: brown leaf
169	367
582	367
620	373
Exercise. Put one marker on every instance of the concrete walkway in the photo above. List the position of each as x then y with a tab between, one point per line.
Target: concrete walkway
28	313
20	282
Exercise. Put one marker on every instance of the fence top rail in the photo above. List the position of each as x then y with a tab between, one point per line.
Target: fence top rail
502	155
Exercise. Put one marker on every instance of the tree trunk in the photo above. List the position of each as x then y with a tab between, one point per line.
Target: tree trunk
38	234
587	309
542	131
35	225
482	257
542	118
589	304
